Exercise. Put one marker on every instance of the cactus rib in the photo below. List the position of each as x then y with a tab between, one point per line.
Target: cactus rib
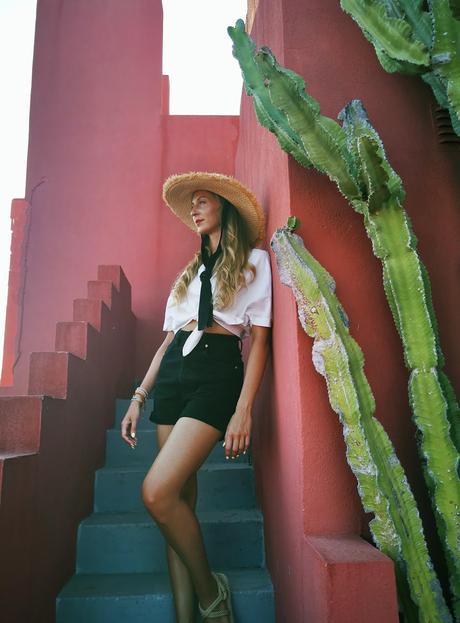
382	483
394	35
413	41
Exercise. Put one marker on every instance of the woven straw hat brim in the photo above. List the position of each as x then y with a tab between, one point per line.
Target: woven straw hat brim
178	190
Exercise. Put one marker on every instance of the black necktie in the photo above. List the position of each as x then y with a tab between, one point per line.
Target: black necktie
205	308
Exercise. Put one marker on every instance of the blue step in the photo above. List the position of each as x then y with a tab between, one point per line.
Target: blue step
118	489
121	568
120	454
133	543
147	598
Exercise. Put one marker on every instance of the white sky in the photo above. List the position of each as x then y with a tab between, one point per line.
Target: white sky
196	49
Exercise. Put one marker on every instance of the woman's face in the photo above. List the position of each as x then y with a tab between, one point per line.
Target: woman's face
205	211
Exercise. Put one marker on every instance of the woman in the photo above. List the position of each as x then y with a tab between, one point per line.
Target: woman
201	394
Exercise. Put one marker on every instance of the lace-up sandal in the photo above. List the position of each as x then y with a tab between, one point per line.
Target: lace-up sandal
224	594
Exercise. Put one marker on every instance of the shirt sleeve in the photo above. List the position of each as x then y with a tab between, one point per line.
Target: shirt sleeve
259	309
168	321
167	325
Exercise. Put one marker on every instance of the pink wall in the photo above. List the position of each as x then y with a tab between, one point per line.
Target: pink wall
304	483
20	219
93	174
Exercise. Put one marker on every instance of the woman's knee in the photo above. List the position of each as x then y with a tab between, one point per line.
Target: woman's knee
159	499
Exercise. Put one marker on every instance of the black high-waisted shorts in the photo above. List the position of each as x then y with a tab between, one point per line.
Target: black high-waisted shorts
205	384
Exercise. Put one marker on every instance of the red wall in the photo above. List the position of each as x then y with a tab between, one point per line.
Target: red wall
304	482
93	172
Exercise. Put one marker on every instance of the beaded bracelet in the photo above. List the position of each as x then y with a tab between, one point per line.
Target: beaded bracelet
139	400
140	395
141	390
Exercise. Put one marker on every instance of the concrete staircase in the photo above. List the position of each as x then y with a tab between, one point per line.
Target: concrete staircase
121	568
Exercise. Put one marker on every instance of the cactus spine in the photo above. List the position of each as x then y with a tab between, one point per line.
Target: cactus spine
410	40
382	483
353	157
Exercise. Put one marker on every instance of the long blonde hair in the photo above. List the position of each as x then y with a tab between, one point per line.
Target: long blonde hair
229	266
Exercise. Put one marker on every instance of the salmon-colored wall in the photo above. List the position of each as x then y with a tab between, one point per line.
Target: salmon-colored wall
93	171
20	218
304	482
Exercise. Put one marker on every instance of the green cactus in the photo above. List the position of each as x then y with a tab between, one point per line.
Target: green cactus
412	41
382	483
353	157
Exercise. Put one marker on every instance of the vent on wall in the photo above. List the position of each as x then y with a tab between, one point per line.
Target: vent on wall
444	127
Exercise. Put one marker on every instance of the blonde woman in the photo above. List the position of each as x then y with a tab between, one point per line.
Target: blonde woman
201	393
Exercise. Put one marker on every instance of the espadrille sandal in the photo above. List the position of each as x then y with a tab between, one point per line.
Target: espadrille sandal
223	594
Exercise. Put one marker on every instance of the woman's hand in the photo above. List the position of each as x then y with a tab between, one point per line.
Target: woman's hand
130	422
134	410
238	433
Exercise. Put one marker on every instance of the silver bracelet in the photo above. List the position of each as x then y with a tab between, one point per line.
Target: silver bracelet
138	399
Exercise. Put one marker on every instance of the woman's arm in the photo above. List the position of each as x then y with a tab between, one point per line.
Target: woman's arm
151	374
133	412
255	366
237	437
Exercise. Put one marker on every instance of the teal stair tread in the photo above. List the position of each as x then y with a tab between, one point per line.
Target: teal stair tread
120	585
207	467
142	517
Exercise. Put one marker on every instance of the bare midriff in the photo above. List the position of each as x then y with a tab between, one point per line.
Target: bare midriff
215	328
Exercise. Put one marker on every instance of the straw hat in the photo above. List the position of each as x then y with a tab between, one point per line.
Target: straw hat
178	190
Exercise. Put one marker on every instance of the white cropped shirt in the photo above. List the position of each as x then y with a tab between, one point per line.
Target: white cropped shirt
252	304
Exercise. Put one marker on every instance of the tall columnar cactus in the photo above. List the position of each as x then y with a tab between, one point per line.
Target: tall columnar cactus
353	157
382	483
410	40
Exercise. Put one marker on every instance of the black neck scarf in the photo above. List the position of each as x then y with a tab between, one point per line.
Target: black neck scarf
205	307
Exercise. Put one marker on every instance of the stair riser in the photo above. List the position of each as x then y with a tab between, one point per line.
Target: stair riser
145	425
140	548
247	607
119	454
217	490
138	609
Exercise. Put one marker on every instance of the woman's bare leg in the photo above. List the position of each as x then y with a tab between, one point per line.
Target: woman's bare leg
182	586
186	448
